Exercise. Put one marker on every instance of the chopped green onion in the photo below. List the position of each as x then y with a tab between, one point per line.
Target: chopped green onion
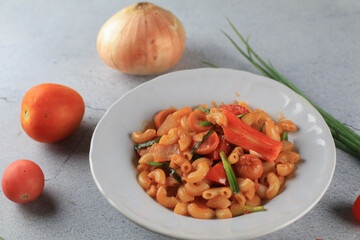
205	123
248	209
345	138
234	185
262	126
175	175
165	166
200	142
241	115
146	144
205	110
284	136
156	164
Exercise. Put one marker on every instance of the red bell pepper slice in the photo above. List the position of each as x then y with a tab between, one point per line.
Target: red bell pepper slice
235	108
217	174
244	136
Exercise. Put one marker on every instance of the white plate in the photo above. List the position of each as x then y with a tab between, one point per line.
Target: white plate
112	154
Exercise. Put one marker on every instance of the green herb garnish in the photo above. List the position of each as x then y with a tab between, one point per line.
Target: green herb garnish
205	110
248	209
205	123
146	144
200	142
262	126
345	138
165	166
234	185
284	136
241	115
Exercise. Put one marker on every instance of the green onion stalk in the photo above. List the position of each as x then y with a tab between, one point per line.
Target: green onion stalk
344	137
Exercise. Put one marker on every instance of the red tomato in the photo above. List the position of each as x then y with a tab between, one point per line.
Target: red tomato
217	174
223	146
235	109
51	112
209	145
23	181
356	208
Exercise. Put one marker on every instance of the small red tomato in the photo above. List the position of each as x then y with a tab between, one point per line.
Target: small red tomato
223	146
51	112
209	145
23	181
217	174
356	208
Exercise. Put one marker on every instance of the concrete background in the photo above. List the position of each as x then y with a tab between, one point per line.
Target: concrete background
315	44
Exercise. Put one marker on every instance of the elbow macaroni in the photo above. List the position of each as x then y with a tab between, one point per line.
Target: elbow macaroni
197	196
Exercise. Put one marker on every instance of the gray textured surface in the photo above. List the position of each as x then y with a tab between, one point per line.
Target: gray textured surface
313	43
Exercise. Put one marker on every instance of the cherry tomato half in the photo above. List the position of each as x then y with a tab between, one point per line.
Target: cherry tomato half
356	208
23	181
234	108
217	174
209	145
223	146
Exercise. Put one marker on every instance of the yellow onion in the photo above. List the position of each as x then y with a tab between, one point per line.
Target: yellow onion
141	39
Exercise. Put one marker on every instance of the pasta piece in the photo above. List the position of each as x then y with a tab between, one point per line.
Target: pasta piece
181	208
139	137
256	201
274	185
184	139
184	123
170	138
179	161
181	113
196	189
203	159
215	192
261	191
187	154
240	198
287	146
247	187
234	156
288	157
160	117
218	202
163	199
194	120
183	195
148	157
216	116
223	213
200	212
158	175
286	125
271	130
152	191
199	174
285	169
144	180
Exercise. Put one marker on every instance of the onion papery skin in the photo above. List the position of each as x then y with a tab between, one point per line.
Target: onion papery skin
142	39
